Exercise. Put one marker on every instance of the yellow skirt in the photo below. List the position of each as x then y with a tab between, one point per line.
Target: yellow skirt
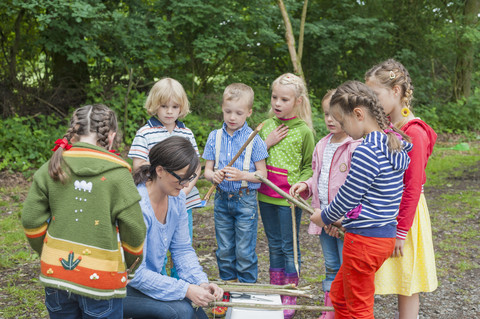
414	272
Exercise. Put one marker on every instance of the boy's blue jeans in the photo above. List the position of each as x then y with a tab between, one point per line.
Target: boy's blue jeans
236	220
277	221
332	252
62	304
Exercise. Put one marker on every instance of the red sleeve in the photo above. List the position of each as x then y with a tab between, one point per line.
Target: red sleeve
413	179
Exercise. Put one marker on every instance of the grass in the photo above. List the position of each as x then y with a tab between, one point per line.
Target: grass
17	298
455	227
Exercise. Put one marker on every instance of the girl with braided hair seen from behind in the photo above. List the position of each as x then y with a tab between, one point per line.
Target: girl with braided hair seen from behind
411	268
82	216
368	200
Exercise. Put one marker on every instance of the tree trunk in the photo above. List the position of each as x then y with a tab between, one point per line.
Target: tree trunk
69	81
466	50
302	31
297	65
9	99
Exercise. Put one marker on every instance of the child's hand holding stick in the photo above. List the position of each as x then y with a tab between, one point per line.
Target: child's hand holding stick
292	199
240	151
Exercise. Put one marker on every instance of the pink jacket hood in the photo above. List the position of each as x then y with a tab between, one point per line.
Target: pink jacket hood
338	172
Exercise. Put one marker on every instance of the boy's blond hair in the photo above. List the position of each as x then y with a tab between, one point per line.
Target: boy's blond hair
163	91
237	91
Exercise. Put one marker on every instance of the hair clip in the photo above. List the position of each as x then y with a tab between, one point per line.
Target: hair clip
392	75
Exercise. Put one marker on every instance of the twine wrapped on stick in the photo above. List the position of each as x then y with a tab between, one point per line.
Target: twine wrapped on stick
300	203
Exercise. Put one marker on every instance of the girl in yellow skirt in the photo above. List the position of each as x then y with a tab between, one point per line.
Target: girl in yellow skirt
411	268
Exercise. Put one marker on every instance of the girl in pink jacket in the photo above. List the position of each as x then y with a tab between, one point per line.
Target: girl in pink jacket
330	164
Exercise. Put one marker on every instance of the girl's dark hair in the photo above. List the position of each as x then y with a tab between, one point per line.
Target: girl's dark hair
96	118
352	94
173	154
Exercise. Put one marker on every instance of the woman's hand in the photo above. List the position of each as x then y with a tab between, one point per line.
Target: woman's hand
398	251
200	295
297	189
275	136
316	218
213	289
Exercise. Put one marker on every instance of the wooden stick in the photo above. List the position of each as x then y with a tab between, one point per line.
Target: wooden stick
244	146
292	199
302	200
129	270
286	292
246	284
268	306
295	247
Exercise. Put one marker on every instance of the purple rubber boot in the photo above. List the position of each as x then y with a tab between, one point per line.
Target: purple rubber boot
277	276
290	300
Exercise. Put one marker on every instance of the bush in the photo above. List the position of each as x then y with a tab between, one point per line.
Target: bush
460	117
27	141
115	99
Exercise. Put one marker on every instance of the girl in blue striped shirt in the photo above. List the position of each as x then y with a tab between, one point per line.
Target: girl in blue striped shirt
368	200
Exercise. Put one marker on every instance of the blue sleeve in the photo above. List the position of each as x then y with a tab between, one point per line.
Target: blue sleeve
183	255
259	151
148	278
363	170
209	151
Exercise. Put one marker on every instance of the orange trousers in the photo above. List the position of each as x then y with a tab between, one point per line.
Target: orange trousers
353	289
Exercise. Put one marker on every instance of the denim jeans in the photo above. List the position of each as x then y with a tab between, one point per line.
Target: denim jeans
332	253
236	220
277	221
62	304
138	305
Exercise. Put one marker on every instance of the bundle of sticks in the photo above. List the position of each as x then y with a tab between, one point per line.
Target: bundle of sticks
287	290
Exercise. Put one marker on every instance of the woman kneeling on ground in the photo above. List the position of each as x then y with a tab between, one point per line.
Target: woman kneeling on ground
150	294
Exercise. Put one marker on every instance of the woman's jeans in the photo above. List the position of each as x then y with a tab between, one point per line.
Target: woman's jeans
138	305
62	304
332	252
277	221
236	220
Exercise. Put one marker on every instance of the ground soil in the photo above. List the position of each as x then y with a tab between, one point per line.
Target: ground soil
458	294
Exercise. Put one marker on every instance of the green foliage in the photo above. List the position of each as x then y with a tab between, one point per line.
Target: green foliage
109	46
460	116
135	115
201	128
27	141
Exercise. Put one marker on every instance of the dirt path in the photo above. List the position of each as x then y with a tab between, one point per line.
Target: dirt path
456	246
458	294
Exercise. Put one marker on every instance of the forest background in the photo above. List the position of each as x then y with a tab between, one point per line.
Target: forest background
57	55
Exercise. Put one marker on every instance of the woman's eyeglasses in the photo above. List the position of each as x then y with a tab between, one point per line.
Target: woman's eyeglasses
183	181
